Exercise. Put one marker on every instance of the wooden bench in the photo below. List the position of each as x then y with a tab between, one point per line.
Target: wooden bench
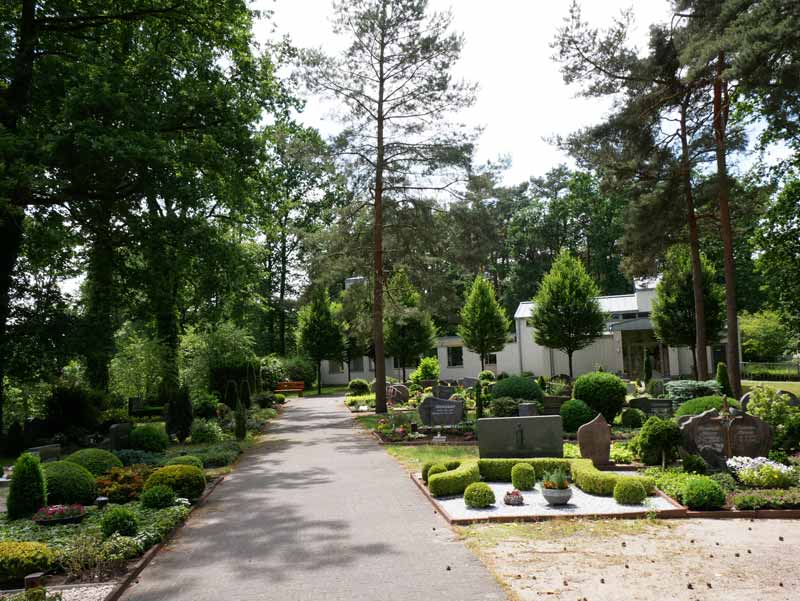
297	387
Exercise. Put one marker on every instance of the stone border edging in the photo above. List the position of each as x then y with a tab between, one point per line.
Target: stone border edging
760	514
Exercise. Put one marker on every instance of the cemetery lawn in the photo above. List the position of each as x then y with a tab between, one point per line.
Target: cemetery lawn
793	387
413	457
684	560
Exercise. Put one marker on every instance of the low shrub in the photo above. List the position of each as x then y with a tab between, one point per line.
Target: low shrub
768	499
186	480
358	386
517	387
300	369
28	491
479	495
725	480
694	464
158	497
265	399
681	391
130	457
119	520
499	470
768	476
121	485
205	431
591	480
602	391
487	376
219	455
523	476
632	418
504	407
629	491
205	405
428	369
703	493
69	483
448	465
185	460
97	461
18	559
436	468
149	437
574	413
701	404
455	481
659	438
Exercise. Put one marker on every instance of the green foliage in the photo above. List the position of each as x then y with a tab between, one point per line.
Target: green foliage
150	438
703	493
319	336
272	371
300	369
518	387
722	379
658	439
681	391
632	418
574	413
648	368
499	470
240	420
74	407
479	495
18	559
629	491
69	483
767	476
358	387
566	313
602	391
134	370
504	407
97	461
484	324
478	392
158	497
179	414
523	476
436	468
725	481
119	520
187	481
185	460
767	499
694	464
454	481
122	485
700	404
218	455
774	408
27	493
408	329
206	431
136	457
488	376
204	405
428	369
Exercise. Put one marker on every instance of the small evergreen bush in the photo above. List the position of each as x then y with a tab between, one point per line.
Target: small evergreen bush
18	559
574	413
632	418
602	391
205	405
185	460
505	407
517	387
358	387
187	481
681	391
150	438
119	520
487	376
658	437
454	481
300	369
97	461
703	493
240	420
523	476
479	495
27	493
206	431
130	457
436	468
158	497
694	464
69	483
722	379
629	491
428	369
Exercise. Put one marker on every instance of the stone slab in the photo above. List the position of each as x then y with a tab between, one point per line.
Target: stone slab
528	409
539	436
435	411
594	440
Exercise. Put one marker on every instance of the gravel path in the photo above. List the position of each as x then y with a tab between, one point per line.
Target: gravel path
318	512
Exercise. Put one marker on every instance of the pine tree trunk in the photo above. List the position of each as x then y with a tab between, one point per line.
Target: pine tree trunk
721	109
282	296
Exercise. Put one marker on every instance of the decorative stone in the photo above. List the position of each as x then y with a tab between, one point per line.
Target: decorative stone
34	580
552	404
513	497
750	436
444	392
441	412
397	393
48	452
528	409
537	436
594	440
119	435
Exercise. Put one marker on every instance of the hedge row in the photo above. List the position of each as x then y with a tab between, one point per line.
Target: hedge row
454	481
499	470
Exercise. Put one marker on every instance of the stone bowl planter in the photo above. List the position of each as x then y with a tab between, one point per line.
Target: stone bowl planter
512	499
557	496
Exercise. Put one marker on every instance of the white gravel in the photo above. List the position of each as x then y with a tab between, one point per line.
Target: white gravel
95	592
535	505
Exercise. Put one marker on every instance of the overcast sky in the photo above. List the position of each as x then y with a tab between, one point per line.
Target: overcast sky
522	98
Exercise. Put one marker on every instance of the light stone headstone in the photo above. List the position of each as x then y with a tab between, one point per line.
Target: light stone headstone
523	437
440	412
594	440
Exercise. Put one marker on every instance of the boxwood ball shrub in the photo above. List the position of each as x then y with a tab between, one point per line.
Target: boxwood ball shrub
487	375
574	413
69	483
185	460
658	436
629	491
205	431
694	464
358	387
186	480
479	495
97	461
18	559
701	492
119	520
27	493
454	481
602	391
158	497
517	387
149	437
701	404
523	476
632	418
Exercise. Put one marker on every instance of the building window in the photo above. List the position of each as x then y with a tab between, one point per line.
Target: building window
335	367
491	359
357	364
455	356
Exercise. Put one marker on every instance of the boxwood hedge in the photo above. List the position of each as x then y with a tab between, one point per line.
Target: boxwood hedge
454	482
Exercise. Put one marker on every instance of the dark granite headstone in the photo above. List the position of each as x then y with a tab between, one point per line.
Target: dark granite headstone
119	435
745	400
594	440
48	452
552	404
528	409
428	383
704	435
750	436
539	436
444	392
135	404
660	407
469	382
440	412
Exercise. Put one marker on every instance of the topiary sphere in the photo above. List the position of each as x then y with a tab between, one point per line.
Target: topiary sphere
436	468
694	464
119	520
656	437
358	387
186	480
27	493
479	495
158	497
149	438
632	418
69	483
602	391
574	413
517	387
701	492
97	461
629	491
523	476
185	460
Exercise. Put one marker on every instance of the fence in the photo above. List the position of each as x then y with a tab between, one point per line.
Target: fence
787	370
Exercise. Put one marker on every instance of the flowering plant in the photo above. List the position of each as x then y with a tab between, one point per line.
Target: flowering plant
768	476
737	464
59	512
556	479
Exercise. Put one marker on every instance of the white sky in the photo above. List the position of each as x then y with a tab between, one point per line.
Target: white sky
521	99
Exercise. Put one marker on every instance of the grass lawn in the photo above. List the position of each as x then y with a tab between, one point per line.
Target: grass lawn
793	387
413	457
326	391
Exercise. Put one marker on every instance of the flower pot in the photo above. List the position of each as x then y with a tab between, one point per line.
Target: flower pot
557	496
510	499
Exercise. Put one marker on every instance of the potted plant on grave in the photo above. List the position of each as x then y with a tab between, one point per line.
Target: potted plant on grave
53	515
513	497
555	487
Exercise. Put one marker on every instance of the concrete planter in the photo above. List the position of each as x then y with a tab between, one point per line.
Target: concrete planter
557	496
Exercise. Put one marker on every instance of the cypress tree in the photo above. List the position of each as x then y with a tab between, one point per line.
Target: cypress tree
723	380
484	324
180	414
28	492
478	399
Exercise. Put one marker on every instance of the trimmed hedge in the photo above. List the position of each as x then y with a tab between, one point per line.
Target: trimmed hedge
185	460
454	482
602	391
479	495
149	438
701	404
523	476
701	492
18	559
97	461
450	465
28	492
629	491
69	483
119	520
574	413
186	480
518	387
158	497
499	470
436	468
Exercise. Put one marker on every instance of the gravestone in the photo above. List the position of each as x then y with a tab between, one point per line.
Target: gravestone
594	440
48	452
630	388
750	436
443	392
660	407
428	383
528	409
469	382
552	404
718	437
135	405
539	436
397	393
704	435
745	400
440	412
119	435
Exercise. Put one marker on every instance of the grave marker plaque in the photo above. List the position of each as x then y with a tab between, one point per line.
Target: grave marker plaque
750	436
539	436
441	412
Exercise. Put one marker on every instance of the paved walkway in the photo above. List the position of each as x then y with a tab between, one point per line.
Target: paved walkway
319	512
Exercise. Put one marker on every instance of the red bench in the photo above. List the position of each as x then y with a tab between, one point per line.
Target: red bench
297	387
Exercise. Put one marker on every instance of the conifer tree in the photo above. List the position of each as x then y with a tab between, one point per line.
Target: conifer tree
484	324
